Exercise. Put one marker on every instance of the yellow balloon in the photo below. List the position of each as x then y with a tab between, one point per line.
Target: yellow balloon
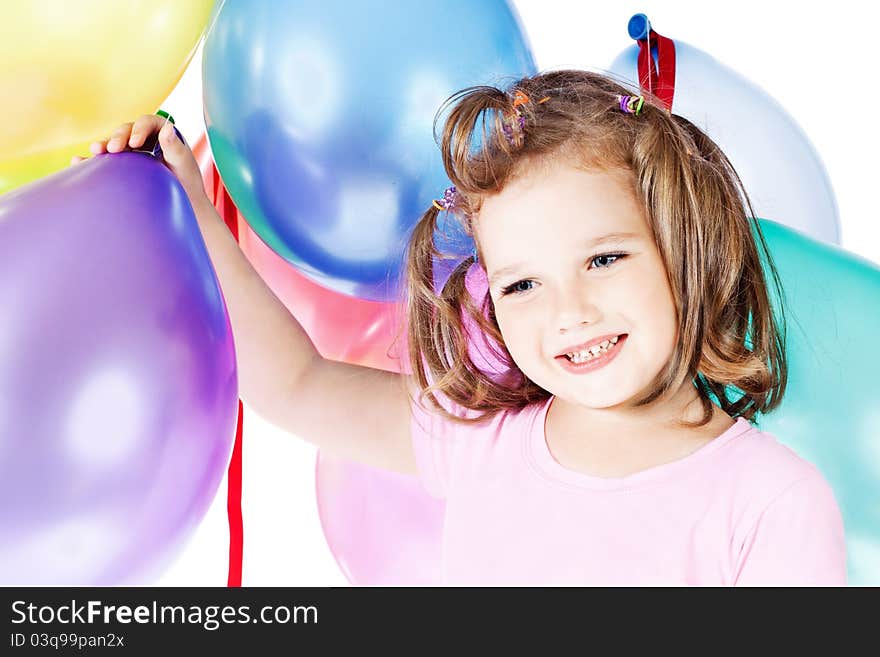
20	171
69	71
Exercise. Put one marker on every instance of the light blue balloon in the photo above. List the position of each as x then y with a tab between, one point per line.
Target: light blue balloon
320	118
779	166
830	414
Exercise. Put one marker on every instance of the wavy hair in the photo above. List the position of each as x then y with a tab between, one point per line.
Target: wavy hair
698	211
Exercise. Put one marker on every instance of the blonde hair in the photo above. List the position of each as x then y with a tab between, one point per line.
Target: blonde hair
696	208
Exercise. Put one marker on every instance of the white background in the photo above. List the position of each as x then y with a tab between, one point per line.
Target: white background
820	63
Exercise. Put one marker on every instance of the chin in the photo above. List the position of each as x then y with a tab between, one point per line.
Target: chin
584	395
598	402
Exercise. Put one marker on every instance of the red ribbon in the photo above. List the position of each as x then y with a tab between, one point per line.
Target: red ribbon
229	213
657	78
233	507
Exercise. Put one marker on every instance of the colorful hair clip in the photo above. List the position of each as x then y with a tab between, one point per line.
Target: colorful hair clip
508	123
517	119
448	201
519	98
631	104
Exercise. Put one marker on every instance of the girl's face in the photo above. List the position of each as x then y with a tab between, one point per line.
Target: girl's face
555	285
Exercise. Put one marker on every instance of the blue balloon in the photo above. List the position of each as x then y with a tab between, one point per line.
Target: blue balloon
320	118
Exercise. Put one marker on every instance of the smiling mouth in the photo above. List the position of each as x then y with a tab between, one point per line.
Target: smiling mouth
586	356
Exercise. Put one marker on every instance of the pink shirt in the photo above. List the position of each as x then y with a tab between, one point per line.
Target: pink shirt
741	510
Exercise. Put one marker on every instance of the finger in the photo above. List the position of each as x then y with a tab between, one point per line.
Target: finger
169	141
119	138
75	159
167	132
98	147
145	125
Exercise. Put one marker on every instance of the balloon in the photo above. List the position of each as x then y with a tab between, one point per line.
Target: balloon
118	386
382	527
321	123
73	70
342	328
829	413
779	167
17	172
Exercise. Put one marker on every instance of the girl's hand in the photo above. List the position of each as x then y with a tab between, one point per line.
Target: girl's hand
178	156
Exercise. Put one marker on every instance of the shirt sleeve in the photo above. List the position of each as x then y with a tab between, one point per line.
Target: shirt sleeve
434	439
798	540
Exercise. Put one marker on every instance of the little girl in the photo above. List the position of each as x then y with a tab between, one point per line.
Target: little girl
576	418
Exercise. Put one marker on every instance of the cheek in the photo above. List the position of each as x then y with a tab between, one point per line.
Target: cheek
506	325
655	305
516	330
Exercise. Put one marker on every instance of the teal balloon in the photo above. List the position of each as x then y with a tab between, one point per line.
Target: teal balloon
830	413
320	118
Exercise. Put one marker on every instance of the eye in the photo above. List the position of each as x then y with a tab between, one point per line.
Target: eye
616	256
515	288
512	289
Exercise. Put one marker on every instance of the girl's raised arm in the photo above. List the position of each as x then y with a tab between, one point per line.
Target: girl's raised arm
351	411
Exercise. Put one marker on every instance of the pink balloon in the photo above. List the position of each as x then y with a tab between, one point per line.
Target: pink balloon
343	328
382	527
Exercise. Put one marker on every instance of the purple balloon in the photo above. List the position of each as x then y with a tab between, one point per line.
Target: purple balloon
118	385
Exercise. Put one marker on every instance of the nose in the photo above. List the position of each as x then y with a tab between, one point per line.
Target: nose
574	308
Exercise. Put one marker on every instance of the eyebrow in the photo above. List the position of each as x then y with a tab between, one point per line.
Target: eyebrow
608	237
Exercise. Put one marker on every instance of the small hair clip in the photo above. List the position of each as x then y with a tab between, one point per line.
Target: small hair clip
518	119
509	122
448	201
519	98
631	104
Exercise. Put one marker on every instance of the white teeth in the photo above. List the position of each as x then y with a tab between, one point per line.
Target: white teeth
592	352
